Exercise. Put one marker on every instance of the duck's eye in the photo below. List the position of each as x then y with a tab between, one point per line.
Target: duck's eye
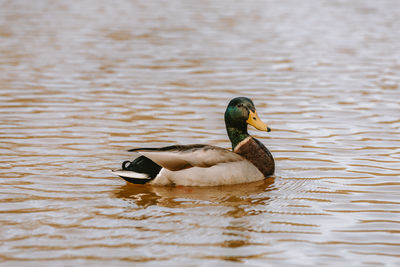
254	118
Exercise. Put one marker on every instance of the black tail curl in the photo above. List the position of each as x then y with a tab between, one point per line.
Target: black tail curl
124	167
142	165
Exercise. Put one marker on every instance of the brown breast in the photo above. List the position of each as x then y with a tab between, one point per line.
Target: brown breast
255	152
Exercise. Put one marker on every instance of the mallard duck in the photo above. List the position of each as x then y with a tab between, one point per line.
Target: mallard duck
206	165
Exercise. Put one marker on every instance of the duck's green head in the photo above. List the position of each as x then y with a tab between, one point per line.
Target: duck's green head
239	113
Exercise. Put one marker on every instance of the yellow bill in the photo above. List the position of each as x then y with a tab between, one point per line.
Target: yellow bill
256	122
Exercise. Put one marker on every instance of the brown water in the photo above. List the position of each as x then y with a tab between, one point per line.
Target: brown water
82	81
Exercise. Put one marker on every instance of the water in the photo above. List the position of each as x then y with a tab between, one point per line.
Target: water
83	81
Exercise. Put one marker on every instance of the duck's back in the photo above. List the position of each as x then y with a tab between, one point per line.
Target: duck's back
255	152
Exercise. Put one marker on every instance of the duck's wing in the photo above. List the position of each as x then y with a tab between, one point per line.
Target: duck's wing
176	158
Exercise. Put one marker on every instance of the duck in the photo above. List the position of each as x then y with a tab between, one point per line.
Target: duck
207	165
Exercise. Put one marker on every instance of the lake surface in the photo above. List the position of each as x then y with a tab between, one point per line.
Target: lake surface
83	81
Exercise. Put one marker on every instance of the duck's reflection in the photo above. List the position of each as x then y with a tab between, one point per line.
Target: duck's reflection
179	196
231	203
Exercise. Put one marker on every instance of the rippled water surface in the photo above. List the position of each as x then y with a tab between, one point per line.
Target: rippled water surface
83	81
